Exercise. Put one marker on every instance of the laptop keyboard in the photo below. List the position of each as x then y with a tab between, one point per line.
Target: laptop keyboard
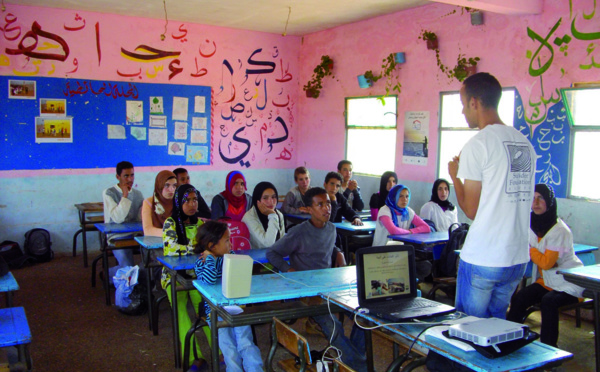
419	303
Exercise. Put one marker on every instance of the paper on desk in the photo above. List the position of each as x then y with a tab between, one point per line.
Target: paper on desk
437	333
233	310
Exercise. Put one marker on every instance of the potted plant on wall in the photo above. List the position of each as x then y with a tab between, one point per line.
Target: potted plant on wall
464	68
389	69
430	38
314	86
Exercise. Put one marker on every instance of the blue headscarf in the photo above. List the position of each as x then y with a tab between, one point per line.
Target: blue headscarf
392	202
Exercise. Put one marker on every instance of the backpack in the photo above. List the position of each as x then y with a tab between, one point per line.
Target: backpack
12	254
456	238
38	245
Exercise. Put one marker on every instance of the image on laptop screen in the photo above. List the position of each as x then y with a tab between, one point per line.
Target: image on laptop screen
386	274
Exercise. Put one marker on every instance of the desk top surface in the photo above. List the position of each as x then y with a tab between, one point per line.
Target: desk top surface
529	357
291	285
299	216
187	262
113	228
345	225
583	248
150	242
15	329
429	238
8	283
586	276
90	207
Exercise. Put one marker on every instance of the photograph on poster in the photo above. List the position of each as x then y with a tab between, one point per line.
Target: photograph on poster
116	132
53	107
198	123
157	137
139	133
158	121
177	148
53	130
21	89
135	112
156	106
197	154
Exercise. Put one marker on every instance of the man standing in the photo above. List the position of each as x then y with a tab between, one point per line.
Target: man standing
498	168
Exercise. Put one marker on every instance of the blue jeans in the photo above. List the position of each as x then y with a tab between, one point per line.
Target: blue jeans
484	291
238	348
353	348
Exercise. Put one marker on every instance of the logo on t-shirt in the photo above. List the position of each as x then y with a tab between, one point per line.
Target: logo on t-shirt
520	167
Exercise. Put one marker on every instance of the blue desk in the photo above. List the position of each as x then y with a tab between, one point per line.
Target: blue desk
8	284
274	287
585	253
113	228
173	264
14	331
431	243
532	356
348	230
364	215
294	219
588	277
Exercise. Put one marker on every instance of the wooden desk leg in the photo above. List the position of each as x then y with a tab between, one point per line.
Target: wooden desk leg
597	329
214	335
369	346
175	319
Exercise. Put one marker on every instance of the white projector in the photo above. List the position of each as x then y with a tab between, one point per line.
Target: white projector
488	332
237	275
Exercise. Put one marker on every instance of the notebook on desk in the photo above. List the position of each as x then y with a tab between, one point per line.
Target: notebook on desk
387	284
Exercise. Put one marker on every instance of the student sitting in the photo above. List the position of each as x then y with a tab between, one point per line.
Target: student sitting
439	209
339	204
388	180
180	238
265	223
234	201
293	202
350	187
183	178
551	249
396	217
239	350
311	246
122	203
157	208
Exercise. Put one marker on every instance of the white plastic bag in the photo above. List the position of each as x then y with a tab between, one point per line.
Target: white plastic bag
125	279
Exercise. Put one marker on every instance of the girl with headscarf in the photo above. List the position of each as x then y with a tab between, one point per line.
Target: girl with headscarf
388	180
550	249
396	217
157	208
179	239
439	209
234	201
264	221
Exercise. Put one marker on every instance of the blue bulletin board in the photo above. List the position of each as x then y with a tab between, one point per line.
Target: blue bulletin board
92	108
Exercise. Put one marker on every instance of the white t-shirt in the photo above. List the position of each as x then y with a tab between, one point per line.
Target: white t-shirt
381	233
442	219
504	161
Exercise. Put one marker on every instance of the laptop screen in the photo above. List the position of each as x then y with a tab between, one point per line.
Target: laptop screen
385	273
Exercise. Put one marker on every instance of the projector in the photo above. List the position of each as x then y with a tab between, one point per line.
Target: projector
488	332
237	275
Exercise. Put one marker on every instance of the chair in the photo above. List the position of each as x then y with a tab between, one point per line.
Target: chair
339	366
293	342
126	243
587	303
15	332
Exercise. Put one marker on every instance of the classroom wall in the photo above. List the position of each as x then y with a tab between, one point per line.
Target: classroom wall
537	54
254	83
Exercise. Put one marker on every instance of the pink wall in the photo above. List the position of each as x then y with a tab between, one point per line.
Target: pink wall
202	51
502	43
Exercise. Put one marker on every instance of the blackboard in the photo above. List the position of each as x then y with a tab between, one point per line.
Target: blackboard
94	105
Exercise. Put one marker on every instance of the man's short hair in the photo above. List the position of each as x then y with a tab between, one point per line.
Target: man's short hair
342	163
484	87
179	171
335	175
307	198
298	171
123	165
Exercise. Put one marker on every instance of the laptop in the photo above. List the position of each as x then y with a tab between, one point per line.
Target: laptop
387	284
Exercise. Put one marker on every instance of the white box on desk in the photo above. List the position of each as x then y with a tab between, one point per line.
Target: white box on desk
237	275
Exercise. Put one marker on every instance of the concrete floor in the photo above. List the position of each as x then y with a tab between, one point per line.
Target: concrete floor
73	330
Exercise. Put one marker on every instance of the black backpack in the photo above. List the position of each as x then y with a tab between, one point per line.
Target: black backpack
38	245
12	254
456	238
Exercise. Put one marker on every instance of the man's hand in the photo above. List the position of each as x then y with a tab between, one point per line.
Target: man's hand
291	270
357	222
453	167
304	209
331	197
352	185
126	190
340	261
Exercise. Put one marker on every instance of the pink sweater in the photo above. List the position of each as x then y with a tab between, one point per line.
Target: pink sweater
420	225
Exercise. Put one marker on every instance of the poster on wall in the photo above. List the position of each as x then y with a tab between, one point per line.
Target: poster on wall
53	129
116	132
135	112
197	155
21	89
416	130
53	107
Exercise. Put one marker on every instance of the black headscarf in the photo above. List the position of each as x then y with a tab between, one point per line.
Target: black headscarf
383	192
256	195
180	197
541	224
446	204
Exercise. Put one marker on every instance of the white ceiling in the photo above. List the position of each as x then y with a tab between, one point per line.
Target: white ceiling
258	15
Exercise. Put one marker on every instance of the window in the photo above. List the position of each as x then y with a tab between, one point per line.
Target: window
584	116
454	131
371	134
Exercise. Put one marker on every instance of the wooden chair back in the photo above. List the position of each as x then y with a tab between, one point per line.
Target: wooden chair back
292	341
339	366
